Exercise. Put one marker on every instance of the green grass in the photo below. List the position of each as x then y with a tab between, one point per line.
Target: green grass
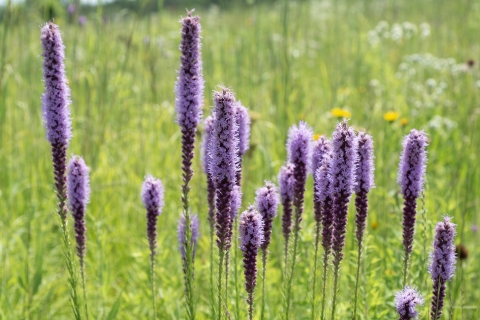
286	66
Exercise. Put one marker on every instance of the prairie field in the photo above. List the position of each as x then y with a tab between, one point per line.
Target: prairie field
388	66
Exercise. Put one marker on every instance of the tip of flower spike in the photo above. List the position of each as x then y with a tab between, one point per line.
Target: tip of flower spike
189	12
251	228
152	194
406	301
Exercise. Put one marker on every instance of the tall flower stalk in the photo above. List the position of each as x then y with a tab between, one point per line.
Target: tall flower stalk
286	183
267	201
252	237
325	196
299	149
189	98
153	199
223	168
321	148
181	231
207	138
442	266
363	183
411	178
58	125
406	302
342	173
78	187
243	138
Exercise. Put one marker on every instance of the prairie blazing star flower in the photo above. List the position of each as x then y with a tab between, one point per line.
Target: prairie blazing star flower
152	196
56	99
243	136
267	203
223	165
194	227
342	173
82	20
251	237
321	147
286	183
411	178
299	153
363	183
442	266
406	302
78	187
207	138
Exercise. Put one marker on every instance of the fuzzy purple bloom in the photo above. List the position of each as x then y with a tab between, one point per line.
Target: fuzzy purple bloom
406	302
182	240
413	164
411	178
207	138
325	197
243	123
190	83
82	20
251	237
56	99
267	203
152	196
363	182
286	183
342	172
78	187
223	163
299	153
442	266
236	202
71	9
321	148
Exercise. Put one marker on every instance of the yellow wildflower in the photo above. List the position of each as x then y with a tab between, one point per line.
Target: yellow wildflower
391	116
340	113
374	225
404	121
316	137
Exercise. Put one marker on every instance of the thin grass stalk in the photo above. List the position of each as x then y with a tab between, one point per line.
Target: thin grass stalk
235	275
221	255
152	283
264	271
315	258
324	284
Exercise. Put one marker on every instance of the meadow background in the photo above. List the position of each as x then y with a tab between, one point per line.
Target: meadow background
286	61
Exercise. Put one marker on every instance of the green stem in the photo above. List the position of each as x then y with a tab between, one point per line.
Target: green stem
314	286
356	281
221	255
211	270
325	271
294	257
405	267
152	283
227	265
336	271
235	275
264	271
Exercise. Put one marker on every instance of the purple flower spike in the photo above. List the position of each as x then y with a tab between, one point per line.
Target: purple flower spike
267	203
251	237
286	183
236	202
56	99
325	197
363	182
152	197
223	163
342	173
243	122
243	136
194	227
78	187
411	178
321	148
442	265
189	86
413	164
206	142
406	302
299	152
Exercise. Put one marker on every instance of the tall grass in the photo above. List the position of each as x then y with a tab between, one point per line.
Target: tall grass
123	115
